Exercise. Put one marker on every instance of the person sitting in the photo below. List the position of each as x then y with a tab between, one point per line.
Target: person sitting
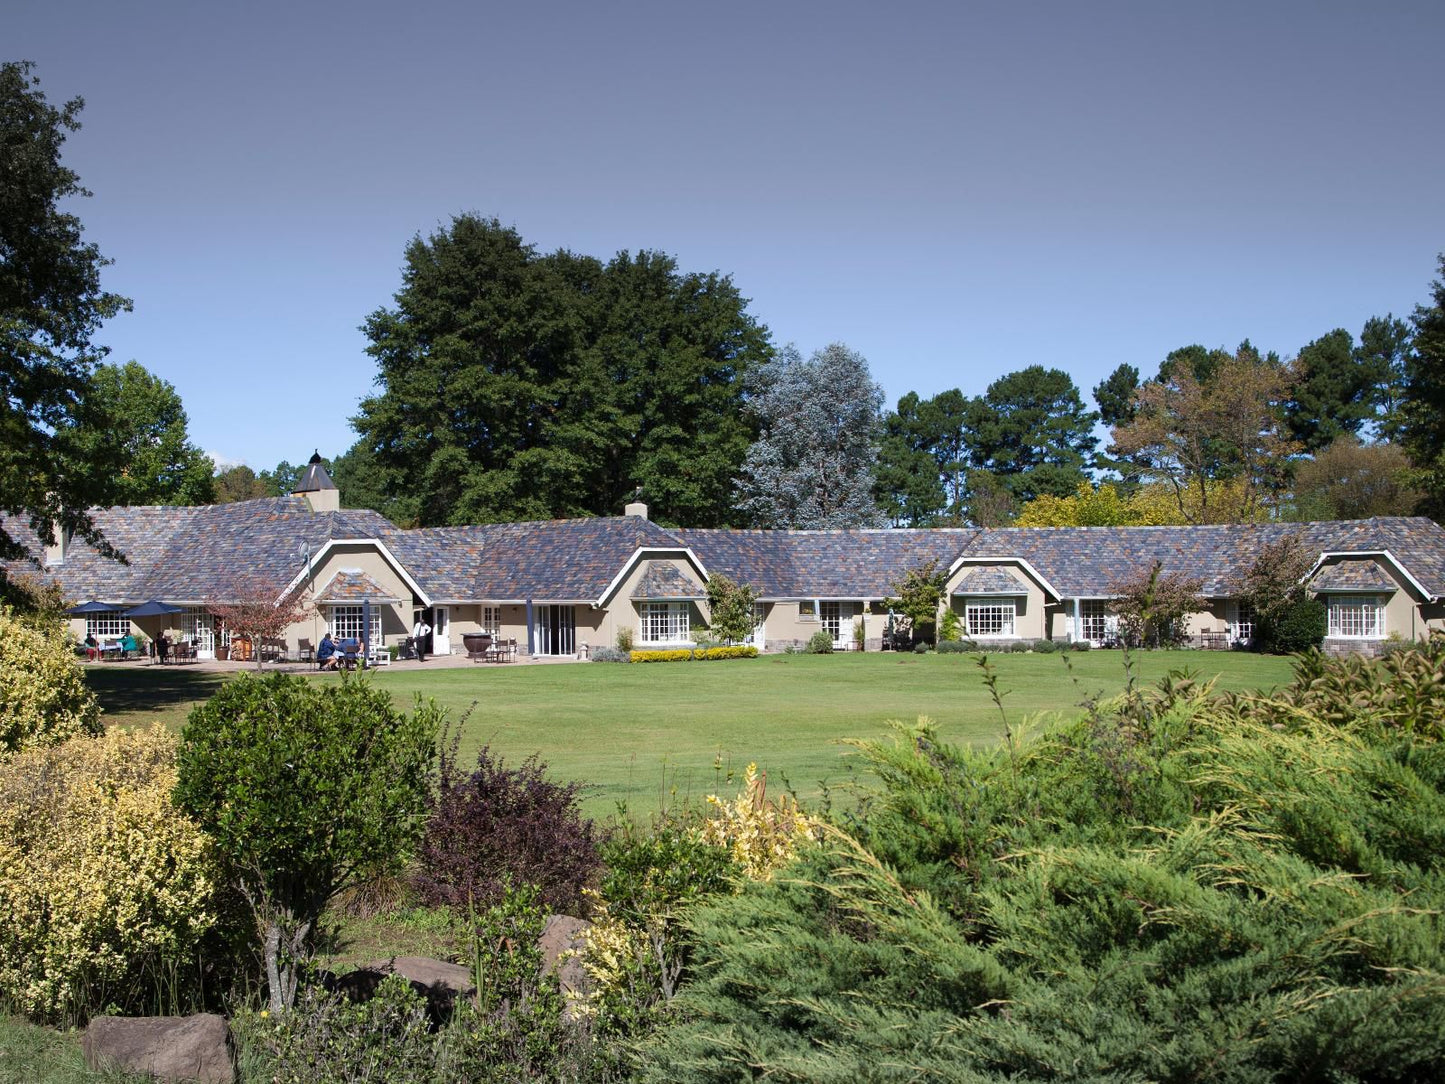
92	647
326	656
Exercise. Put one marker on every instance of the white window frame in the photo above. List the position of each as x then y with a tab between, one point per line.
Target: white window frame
985	610
1094	624
1356	617
343	621
491	622
807	609
665	623
830	616
112	625
1242	622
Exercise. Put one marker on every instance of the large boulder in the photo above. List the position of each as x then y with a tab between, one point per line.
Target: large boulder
168	1047
563	940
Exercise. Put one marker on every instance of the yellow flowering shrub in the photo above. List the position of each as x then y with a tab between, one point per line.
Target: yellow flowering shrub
102	880
762	834
700	654
43	695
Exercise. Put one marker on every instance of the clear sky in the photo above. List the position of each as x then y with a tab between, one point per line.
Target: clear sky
957	190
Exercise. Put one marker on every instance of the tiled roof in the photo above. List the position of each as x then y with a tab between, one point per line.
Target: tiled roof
662	581
196	553
822	564
557	560
353	585
990	580
1353	575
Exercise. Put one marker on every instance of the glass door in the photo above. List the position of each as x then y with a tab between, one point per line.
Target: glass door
556	630
831	614
441	631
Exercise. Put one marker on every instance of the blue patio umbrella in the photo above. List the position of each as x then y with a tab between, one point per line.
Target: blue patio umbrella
154	608
91	607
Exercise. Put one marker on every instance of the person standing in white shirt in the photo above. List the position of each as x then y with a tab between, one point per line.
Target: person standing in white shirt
419	632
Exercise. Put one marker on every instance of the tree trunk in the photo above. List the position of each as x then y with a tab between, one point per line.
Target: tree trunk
282	980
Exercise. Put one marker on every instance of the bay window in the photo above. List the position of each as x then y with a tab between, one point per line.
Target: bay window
1357	617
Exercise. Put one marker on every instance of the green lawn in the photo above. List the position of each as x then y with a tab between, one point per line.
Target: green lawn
652	734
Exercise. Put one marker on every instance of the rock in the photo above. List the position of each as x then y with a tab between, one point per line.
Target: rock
168	1047
439	982
565	934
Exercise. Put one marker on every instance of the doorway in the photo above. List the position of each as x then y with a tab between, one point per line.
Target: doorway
556	630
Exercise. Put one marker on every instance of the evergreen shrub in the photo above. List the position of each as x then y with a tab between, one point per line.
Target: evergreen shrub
1299	626
604	653
820	643
1045	647
951	647
1176	886
920	648
1081	645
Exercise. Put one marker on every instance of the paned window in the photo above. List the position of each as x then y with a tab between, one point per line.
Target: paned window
1357	617
807	609
1094	620
346	624
665	623
990	617
107	625
1241	629
755	634
492	620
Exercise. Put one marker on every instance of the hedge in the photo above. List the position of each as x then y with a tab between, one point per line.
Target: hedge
700	654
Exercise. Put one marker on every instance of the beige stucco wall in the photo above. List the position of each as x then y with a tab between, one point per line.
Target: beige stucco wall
1404	614
395	617
783	625
1032	619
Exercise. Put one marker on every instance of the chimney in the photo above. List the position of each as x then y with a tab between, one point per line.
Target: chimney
55	551
636	508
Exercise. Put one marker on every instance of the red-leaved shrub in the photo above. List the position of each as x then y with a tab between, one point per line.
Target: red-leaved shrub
500	825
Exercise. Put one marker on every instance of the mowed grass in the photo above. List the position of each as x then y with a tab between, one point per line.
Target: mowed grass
656	734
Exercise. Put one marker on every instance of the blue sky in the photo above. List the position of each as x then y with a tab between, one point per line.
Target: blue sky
957	190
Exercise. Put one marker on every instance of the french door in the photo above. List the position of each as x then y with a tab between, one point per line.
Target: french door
556	630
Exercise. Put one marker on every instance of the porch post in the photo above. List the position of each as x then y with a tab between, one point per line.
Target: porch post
531	631
1078	622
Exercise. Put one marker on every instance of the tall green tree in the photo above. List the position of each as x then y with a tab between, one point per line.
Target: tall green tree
1423	431
820	423
1031	429
908	486
1333	394
134	422
51	306
516	385
1383	350
1115	396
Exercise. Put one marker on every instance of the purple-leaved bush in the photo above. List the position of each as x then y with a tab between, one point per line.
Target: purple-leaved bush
498	825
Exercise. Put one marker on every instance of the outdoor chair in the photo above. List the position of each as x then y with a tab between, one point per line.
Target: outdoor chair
378	655
305	652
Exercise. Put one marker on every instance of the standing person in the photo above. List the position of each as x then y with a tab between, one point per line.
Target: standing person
419	632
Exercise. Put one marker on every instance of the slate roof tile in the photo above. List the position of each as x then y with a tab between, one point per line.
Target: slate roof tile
661	581
990	580
1353	575
352	585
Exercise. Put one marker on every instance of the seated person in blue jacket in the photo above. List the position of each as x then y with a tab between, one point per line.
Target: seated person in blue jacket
326	653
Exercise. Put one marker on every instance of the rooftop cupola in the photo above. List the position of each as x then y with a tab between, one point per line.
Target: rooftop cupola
317	487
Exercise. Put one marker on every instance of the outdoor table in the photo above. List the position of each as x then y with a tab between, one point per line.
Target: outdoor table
110	651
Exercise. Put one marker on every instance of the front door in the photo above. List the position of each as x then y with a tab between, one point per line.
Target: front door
441	632
556	630
832	617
